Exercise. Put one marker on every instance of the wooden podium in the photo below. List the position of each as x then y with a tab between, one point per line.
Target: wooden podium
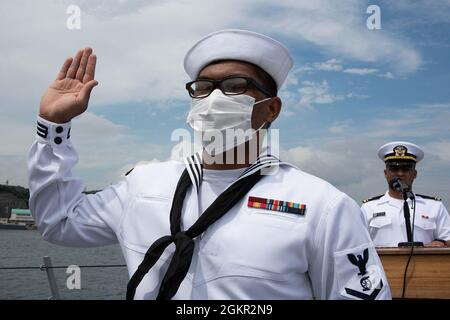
428	272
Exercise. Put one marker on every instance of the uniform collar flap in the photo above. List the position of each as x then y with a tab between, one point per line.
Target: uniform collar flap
194	166
392	201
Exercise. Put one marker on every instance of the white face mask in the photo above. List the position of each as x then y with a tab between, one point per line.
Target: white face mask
219	116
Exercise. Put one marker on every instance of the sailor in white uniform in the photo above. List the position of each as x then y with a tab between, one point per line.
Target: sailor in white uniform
262	229
385	214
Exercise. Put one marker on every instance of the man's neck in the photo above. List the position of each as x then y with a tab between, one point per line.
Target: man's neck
216	166
229	160
395	194
222	162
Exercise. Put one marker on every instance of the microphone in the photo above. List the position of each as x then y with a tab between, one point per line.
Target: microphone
398	185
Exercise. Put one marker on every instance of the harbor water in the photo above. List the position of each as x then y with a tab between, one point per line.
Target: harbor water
25	248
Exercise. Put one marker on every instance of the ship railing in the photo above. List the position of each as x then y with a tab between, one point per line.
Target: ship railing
48	267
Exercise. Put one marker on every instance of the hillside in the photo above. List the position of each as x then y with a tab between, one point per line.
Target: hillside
19	195
18	192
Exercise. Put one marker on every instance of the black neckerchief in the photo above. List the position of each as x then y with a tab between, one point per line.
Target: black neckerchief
184	240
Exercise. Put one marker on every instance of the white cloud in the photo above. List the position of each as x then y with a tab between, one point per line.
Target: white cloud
329	65
436	106
440	150
340	126
103	148
341	30
141	44
112	7
13	169
413	122
336	65
312	93
140	47
351	164
21	134
184	149
361	71
410	14
347	156
387	75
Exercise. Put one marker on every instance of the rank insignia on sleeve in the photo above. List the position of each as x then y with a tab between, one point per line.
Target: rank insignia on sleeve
366	282
277	205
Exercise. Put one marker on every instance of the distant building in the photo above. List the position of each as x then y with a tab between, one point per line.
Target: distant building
21	216
14	213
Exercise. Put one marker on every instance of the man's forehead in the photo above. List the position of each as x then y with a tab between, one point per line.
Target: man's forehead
223	68
393	164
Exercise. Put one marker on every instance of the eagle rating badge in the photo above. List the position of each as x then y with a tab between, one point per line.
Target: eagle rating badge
366	283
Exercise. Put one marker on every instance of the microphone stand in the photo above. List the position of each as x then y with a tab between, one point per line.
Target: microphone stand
406	214
410	234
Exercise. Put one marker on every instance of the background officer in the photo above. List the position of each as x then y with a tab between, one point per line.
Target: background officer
385	214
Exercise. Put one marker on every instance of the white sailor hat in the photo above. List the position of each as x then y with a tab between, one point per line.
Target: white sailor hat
400	151
233	44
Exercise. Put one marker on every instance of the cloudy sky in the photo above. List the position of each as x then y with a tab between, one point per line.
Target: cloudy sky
351	89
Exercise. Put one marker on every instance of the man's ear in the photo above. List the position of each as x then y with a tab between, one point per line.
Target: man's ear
274	109
415	173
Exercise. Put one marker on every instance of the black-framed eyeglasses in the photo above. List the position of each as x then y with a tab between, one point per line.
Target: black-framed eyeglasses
201	88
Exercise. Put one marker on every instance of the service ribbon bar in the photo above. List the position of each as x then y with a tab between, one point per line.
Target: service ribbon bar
277	205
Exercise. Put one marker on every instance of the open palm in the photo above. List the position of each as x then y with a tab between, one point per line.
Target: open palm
68	96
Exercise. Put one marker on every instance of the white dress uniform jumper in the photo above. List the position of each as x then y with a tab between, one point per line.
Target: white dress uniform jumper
287	235
384	215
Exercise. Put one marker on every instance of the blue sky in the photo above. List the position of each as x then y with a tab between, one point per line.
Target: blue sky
350	91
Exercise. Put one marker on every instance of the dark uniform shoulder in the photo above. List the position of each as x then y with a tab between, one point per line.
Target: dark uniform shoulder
373	198
429	197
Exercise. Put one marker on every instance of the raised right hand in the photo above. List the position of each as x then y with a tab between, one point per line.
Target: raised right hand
68	96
